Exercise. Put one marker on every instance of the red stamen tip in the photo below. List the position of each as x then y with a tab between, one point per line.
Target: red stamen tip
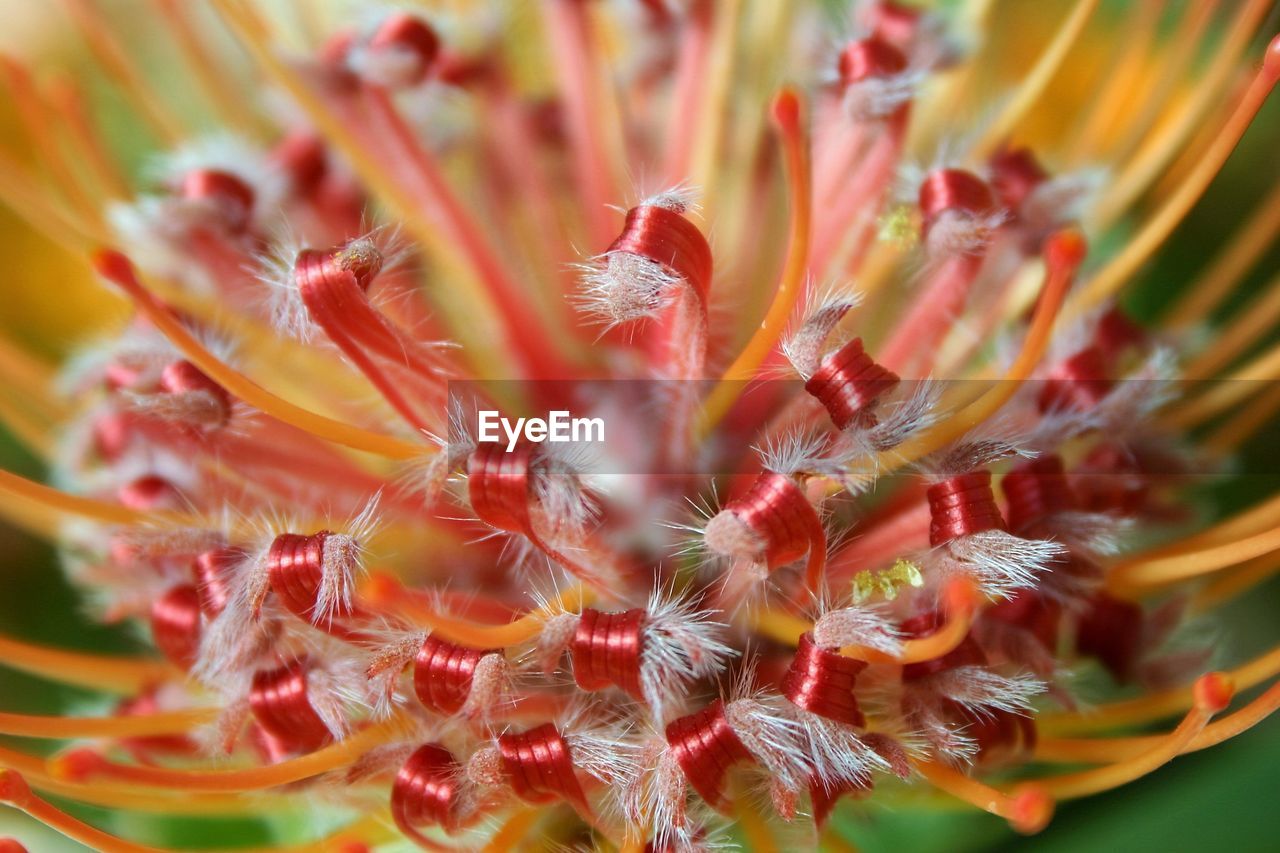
14	789
1213	692
11	845
786	111
1032	810
76	765
112	265
1065	249
1271	60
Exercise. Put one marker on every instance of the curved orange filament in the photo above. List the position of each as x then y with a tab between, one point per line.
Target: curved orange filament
1028	809
1203	297
1249	379
1108	750
107	513
15	792
285	772
117	269
68	102
100	672
1212	693
1238	336
1155	706
1064	253
1144	573
139	725
1158	228
1234	583
789	118
1244	423
385	592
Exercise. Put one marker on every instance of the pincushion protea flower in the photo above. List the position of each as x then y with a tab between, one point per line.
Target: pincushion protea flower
276	469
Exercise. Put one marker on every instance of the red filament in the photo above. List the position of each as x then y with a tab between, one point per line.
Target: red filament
705	746
540	767
953	189
1079	382
606	650
871	57
669	240
1037	489
821	681
426	792
281	705
175	625
443	672
962	506
848	383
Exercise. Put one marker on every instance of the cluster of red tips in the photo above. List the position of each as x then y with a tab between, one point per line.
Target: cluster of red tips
706	747
606	650
1111	631
821	681
1110	479
1015	174
443	674
426	792
499	486
539	767
664	237
411	46
228	194
962	506
1033	612
848	382
1037	489
1077	383
280	701
873	57
953	190
175	625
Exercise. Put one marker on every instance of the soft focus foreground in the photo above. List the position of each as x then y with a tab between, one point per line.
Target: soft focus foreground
957	562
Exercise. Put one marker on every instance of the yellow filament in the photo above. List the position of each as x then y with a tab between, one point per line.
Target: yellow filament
1106	750
141	725
69	103
1167	139
1232	584
239	385
513	831
718	80
215	81
1254	376
124	675
27	198
1252	417
1034	84
1155	706
115	60
1253	321
790	115
1158	228
108	513
33	434
1144	572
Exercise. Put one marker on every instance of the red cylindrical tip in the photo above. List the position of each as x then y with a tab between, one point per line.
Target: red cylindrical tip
11	845
14	789
112	265
786	110
1065	249
1271	60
